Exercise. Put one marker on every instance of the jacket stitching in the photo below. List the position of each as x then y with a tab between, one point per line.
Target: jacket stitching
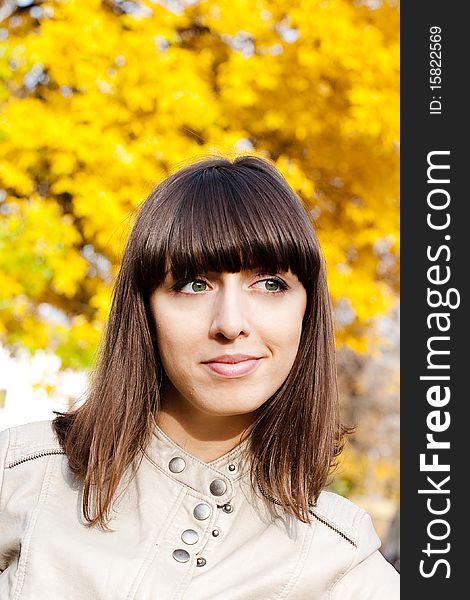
155	548
334	528
339	577
300	564
24	459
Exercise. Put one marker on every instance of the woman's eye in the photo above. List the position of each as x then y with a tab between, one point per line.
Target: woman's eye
193	287
273	285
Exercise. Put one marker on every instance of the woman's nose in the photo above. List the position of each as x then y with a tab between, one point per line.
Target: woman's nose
229	318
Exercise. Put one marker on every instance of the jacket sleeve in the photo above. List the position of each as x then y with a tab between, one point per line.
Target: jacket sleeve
370	576
21	482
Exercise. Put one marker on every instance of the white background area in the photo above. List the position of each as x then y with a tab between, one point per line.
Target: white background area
31	387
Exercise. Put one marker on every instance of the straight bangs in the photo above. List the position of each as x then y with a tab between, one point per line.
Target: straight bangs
227	220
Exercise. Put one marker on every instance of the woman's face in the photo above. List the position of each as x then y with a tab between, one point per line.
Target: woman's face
227	341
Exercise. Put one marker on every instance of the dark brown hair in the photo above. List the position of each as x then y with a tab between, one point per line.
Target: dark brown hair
223	216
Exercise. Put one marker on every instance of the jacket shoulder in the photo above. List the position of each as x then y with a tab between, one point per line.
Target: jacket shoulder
368	575
344	517
24	442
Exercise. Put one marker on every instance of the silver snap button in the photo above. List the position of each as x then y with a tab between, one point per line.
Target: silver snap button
218	487
177	464
215	532
228	508
201	562
202	511
190	537
181	555
232	467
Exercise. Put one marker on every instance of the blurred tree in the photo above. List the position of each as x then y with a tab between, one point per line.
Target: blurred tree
102	98
369	392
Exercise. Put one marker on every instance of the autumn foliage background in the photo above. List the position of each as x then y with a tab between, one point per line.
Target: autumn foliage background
101	99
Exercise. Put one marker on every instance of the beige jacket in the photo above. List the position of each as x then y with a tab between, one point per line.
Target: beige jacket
183	529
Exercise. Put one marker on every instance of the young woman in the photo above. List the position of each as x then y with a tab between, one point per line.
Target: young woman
195	467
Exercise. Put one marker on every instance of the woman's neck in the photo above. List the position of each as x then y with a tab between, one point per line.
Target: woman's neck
205	437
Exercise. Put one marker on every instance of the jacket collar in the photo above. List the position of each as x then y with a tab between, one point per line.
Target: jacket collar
214	479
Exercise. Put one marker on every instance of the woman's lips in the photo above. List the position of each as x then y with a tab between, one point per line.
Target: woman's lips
236	369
